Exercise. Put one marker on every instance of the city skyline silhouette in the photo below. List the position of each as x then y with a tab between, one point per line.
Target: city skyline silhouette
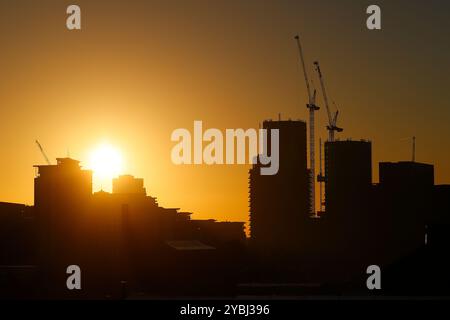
87	177
115	237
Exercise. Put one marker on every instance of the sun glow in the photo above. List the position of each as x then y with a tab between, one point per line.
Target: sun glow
106	163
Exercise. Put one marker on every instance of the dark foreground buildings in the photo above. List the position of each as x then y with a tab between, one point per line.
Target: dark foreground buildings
123	241
363	224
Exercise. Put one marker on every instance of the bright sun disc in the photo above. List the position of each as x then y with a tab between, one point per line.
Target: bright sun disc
106	162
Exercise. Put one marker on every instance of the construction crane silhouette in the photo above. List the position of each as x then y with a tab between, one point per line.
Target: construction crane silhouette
43	152
321	180
312	107
332	119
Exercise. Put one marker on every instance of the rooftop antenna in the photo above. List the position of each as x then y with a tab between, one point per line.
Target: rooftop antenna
413	151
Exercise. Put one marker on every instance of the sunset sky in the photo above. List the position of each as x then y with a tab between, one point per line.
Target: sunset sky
140	69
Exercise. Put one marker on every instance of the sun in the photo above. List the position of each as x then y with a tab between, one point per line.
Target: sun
106	162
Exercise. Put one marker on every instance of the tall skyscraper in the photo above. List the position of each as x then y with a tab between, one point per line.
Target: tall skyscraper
62	197
348	174
279	204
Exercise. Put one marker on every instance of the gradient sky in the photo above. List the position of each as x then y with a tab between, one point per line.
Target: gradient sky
140	69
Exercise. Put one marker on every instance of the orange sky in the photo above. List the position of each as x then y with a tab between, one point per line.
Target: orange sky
140	69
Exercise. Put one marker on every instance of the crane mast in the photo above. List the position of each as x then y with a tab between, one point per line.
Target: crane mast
43	152
320	179
332	119
312	107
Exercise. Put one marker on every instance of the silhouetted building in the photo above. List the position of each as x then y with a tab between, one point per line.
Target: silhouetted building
348	174
120	240
404	204
346	221
127	184
406	175
441	204
279	204
62	195
438	222
62	183
17	234
145	243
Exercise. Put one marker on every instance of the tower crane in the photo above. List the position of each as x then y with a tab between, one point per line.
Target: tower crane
332	119
312	107
43	152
